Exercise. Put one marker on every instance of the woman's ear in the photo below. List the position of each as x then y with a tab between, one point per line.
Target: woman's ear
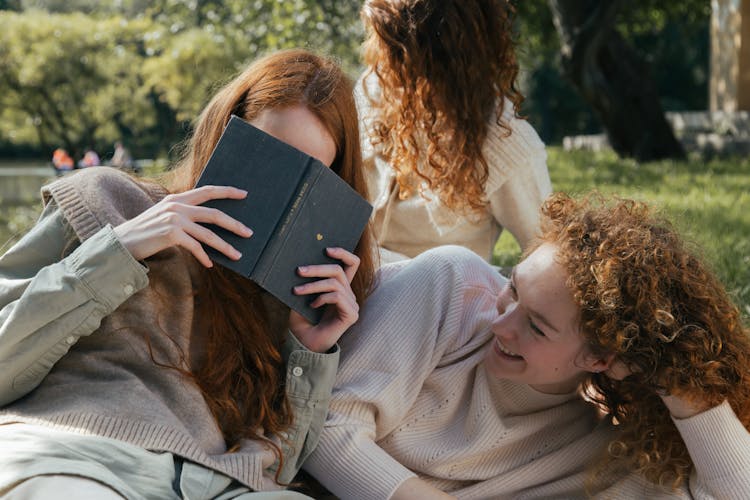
597	363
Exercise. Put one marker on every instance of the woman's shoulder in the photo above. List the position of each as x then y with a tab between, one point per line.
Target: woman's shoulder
104	181
458	264
512	147
512	136
91	198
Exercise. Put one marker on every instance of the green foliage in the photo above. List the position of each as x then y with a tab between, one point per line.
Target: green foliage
71	79
79	73
184	71
706	200
140	70
10	5
251	28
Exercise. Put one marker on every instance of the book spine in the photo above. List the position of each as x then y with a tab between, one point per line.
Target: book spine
277	241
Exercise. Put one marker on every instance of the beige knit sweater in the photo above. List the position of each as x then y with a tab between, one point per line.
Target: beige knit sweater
517	184
412	398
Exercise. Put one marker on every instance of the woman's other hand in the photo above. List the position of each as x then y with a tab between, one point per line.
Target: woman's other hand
175	221
679	407
335	294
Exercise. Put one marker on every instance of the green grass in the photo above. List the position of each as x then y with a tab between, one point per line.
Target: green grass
708	201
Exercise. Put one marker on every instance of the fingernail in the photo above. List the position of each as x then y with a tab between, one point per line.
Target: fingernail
302	269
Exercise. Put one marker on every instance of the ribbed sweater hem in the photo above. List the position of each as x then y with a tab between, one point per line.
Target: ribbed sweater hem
242	467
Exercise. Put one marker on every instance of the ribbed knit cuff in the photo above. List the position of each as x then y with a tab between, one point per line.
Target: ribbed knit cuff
363	471
720	448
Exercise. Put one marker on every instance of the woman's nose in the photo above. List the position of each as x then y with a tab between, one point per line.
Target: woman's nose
507	318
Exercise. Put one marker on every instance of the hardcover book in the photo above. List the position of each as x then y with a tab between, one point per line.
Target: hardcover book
296	207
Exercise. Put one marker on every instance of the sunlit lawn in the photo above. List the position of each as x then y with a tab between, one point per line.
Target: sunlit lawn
709	201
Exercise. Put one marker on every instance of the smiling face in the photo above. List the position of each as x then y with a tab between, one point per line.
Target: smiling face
299	127
537	341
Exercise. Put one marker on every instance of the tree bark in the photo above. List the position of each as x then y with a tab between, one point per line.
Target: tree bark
611	77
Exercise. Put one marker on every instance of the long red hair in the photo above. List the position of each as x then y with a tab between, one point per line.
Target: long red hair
242	373
445	69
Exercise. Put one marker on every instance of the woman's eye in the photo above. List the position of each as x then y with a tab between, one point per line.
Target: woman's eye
536	329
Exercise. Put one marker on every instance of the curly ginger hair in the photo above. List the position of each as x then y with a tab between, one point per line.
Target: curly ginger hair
649	300
443	67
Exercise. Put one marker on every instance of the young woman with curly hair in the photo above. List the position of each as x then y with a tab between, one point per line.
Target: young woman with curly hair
612	364
132	366
449	161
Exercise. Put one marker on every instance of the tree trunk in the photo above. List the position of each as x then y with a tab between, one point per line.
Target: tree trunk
611	77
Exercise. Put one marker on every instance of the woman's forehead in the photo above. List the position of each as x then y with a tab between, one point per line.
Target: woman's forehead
541	283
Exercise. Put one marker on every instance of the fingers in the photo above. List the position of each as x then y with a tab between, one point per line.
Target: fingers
189	234
330	291
322	286
617	370
333	288
198	233
333	271
208	215
349	260
203	194
176	221
343	272
195	248
346	306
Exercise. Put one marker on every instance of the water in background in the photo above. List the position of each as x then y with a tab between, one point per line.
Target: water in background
20	202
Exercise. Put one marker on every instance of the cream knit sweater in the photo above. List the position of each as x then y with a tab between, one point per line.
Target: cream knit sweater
412	398
518	182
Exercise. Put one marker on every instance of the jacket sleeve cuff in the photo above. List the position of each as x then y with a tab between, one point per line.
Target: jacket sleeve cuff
107	269
310	375
309	382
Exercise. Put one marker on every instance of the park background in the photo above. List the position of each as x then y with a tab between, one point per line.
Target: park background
645	98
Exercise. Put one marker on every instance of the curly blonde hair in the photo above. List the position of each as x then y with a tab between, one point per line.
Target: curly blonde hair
649	300
443	66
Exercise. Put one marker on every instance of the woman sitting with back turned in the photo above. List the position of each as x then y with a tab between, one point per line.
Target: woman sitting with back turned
611	364
448	159
132	366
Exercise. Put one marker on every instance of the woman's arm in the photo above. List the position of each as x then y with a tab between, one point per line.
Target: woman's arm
719	446
416	489
48	300
407	326
516	204
309	381
312	356
518	181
